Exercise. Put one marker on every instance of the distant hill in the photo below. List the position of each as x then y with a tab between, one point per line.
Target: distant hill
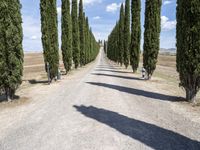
171	51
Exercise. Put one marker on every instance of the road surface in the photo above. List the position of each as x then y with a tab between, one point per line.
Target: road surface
98	107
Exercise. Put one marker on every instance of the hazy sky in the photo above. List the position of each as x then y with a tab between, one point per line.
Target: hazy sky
102	14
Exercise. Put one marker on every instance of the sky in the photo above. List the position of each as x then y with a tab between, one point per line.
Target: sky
102	14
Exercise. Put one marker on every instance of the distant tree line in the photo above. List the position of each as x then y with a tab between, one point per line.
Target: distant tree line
124	51
78	42
123	45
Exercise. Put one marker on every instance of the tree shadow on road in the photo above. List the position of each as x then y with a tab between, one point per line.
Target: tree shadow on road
151	135
139	92
105	68
115	71
108	66
38	82
117	76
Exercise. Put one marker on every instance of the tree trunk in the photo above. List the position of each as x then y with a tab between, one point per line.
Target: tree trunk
134	71
12	94
8	98
191	95
6	92
148	76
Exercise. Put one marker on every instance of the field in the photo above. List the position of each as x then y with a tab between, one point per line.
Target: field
34	66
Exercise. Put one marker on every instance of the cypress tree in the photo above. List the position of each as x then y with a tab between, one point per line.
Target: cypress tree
11	51
127	33
105	47
75	34
113	43
87	41
85	38
50	35
188	46
82	34
117	43
91	46
151	35
121	35
66	35
135	34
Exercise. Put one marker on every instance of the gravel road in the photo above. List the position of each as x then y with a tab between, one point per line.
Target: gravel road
98	107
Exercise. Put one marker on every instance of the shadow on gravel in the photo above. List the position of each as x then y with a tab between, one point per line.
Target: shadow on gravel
38	82
117	76
151	135
112	71
139	92
3	98
106	68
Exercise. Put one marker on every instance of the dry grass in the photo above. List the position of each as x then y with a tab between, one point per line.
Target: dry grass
167	61
33	66
15	103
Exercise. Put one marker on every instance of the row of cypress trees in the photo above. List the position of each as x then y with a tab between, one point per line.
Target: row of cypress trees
11	51
118	43
187	35
78	41
124	47
75	31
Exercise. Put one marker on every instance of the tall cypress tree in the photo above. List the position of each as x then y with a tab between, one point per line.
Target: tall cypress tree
66	35
113	44
50	35
82	34
151	35
135	34
188	46
91	46
121	35
11	51
85	38
87	41
117	52
105	47
75	34
127	33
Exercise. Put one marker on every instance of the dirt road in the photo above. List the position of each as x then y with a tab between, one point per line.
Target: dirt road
98	107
